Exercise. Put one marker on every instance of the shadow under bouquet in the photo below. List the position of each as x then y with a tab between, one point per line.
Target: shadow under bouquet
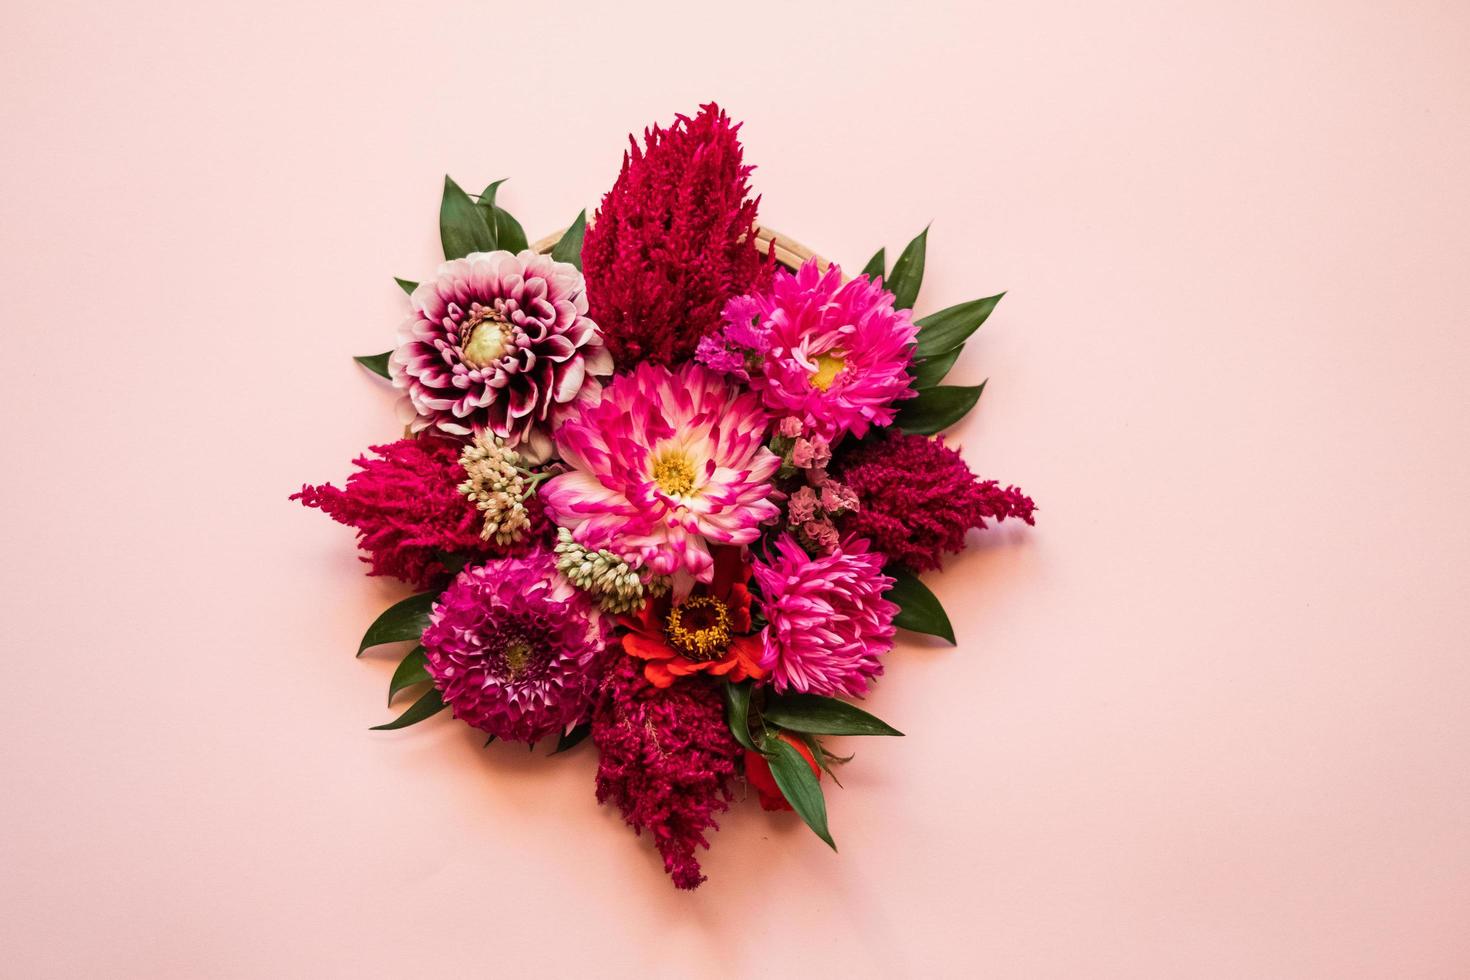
668	480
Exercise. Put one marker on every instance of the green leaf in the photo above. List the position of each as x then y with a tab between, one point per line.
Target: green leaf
572	738
425	707
936	409
404	620
505	230
737	713
931	370
453	564
462	225
908	273
800	787
877	265
406	285
949	328
569	247
918	608
376	363
413	669
822	716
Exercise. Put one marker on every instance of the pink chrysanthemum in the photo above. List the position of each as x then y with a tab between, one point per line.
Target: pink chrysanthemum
514	650
500	342
665	462
828	622
834	356
667	760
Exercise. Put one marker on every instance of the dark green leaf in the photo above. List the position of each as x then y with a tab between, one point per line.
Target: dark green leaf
505	230
376	363
404	620
823	716
574	737
949	328
413	669
936	409
488	741
425	707
569	247
462	225
908	273
918	608
453	564
406	285
877	265
737	713
931	370
800	787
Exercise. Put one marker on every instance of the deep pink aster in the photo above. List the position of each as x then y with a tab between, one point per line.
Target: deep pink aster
834	356
673	240
514	650
828	622
500	342
665	462
917	498
667	760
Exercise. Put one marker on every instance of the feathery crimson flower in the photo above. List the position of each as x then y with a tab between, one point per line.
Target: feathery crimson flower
828	622
514	650
918	498
501	342
667	759
673	240
663	463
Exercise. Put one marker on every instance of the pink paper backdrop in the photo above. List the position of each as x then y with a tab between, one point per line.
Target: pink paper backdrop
1208	719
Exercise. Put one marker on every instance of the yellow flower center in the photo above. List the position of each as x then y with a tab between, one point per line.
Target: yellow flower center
487	335
699	627
829	366
516	656
673	472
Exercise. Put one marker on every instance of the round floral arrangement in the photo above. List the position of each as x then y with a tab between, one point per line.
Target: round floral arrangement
660	489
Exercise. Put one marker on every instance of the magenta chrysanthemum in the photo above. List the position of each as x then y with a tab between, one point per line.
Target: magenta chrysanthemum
514	650
664	463
501	342
667	760
834	356
828	622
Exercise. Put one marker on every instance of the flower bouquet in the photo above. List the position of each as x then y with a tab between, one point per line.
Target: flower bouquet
660	489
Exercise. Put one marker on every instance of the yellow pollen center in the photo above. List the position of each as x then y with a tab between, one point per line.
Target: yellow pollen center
516	655
488	335
699	627
829	366
674	473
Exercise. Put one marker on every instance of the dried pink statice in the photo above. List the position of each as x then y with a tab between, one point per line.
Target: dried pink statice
667	760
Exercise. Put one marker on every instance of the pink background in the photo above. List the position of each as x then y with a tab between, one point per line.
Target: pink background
1208	719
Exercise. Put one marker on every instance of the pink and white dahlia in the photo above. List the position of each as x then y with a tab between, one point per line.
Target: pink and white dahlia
665	462
828	622
501	342
834	356
514	650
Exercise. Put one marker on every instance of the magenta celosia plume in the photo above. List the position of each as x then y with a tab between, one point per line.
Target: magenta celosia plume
500	342
828	622
667	760
673	240
833	355
514	650
665	462
917	498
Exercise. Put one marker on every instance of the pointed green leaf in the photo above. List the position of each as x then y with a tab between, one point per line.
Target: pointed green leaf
406	285
822	716
404	620
425	707
877	265
572	738
569	247
936	409
918	608
488	741
949	328
462	225
737	713
908	273
929	371
800	787
505	230
413	669
376	363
